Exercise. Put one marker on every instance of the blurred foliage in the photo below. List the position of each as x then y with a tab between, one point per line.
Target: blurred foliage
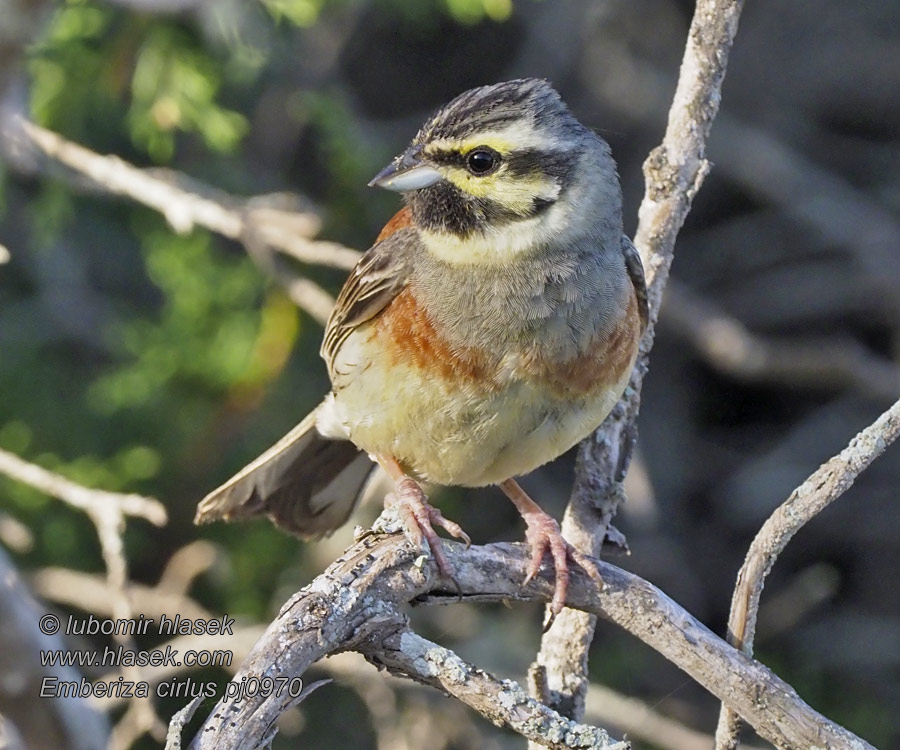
98	61
302	13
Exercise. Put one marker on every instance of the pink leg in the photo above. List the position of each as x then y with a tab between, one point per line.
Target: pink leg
418	516
543	534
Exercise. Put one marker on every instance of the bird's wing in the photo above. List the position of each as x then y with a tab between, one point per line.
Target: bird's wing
379	276
636	272
308	485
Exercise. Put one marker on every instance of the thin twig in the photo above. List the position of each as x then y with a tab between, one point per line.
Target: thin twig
823	487
90	501
187	203
185	564
673	172
176	725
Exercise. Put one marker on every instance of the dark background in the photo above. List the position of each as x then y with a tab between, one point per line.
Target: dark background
135	359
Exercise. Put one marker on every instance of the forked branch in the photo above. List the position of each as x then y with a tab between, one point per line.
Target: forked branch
831	480
356	604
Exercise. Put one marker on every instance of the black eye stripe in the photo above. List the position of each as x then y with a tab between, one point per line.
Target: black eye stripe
531	161
450	158
520	163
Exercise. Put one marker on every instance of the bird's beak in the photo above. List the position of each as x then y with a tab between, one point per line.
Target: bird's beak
406	172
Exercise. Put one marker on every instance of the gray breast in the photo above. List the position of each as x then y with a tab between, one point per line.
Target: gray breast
558	299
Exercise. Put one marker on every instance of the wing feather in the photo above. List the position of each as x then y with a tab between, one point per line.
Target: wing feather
377	279
635	269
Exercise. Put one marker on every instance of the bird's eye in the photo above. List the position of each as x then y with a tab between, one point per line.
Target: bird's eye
482	161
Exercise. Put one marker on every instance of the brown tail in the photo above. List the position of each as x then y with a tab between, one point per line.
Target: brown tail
307	484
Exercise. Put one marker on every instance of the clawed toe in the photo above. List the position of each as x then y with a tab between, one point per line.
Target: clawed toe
451	527
419	519
543	535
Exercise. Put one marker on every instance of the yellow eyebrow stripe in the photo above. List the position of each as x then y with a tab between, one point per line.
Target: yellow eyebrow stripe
500	145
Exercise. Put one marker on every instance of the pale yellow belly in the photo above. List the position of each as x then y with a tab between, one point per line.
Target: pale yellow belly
450	433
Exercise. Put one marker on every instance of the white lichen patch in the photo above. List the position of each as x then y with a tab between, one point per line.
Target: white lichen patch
389	522
433	660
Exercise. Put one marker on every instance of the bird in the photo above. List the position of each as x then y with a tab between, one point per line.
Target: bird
493	324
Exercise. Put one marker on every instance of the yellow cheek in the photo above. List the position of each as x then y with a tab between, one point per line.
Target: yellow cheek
516	194
480	187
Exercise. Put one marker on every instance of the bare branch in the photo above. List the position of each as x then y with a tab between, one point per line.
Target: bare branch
260	223
188	562
163	191
639	721
822	488
676	168
308	296
378	575
673	173
91	501
393	645
822	363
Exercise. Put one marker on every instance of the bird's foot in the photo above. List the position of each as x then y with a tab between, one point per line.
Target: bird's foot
419	519
542	535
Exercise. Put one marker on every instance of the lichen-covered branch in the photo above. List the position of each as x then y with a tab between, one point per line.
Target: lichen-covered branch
831	480
673	172
378	575
394	646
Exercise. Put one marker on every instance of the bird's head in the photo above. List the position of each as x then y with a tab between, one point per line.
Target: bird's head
500	170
